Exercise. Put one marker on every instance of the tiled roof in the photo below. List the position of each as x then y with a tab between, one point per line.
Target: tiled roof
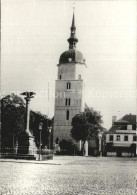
127	119
113	129
122	121
130	118
121	124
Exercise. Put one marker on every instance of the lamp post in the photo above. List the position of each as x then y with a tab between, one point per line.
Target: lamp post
49	135
16	114
14	140
100	142
40	129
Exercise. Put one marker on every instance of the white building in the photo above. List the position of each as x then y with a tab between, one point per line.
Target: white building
69	88
122	135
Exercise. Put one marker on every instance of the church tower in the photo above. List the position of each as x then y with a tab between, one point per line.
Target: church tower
69	88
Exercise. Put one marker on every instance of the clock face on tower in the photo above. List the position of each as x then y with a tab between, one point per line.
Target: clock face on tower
70	59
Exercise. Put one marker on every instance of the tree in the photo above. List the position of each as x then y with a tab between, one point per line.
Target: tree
67	146
86	125
35	119
13	123
12	119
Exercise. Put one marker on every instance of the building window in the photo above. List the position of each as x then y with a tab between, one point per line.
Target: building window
67	115
118	138
68	85
111	138
66	101
79	76
134	138
60	77
126	138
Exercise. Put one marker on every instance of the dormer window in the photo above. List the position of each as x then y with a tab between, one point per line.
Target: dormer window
129	127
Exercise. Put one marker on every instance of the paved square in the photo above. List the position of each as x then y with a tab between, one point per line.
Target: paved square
75	175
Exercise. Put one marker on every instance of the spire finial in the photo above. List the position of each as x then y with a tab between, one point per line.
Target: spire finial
73	7
73	40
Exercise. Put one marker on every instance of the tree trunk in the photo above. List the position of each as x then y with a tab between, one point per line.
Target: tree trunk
86	148
79	145
83	149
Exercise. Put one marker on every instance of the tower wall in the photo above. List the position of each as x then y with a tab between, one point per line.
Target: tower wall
73	74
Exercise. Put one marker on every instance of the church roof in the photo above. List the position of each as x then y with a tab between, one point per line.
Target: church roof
72	55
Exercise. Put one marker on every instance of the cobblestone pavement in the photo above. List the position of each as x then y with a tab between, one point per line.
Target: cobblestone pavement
79	176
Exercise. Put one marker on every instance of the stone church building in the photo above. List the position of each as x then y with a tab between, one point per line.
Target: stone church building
69	88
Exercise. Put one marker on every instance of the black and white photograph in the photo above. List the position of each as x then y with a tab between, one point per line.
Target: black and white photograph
68	97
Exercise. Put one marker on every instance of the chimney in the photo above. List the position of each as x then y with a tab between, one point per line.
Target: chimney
114	118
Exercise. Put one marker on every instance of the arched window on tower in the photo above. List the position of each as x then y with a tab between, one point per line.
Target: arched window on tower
60	77
67	115
79	76
68	85
67	102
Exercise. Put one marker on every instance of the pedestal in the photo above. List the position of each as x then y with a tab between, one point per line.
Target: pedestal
56	148
26	145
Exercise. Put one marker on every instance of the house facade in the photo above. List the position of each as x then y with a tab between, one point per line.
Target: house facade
122	136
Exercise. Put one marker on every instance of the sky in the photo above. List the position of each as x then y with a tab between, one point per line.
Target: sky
34	34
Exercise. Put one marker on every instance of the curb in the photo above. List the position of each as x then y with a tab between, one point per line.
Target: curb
30	162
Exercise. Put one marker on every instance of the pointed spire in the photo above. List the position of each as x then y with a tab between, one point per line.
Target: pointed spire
73	40
73	21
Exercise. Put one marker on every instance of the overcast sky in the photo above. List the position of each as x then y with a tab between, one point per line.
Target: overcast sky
35	33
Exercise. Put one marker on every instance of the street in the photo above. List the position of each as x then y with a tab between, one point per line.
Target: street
76	175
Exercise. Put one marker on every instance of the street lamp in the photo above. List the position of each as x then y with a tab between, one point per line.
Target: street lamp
16	114
14	140
40	129
49	135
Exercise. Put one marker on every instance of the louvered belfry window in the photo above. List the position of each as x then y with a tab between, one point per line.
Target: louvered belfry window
68	100
68	85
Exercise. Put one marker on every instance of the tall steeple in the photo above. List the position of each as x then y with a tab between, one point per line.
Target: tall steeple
73	40
71	75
